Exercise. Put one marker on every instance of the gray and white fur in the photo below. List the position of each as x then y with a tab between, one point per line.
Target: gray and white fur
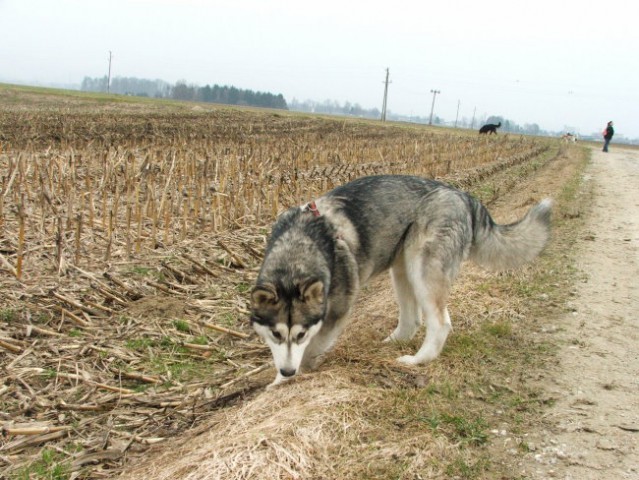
319	256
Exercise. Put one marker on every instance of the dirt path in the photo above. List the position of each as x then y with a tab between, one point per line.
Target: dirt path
592	430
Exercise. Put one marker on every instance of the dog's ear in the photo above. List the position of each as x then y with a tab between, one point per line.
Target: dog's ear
312	292
263	295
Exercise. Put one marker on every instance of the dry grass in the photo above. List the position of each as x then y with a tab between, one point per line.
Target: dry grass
317	427
129	236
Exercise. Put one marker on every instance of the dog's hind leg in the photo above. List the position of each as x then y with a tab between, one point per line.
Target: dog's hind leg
438	326
410	315
432	298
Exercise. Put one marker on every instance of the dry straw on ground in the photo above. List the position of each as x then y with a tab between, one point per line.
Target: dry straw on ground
296	432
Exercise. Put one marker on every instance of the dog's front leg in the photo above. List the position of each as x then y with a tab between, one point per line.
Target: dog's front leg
319	345
410	315
323	342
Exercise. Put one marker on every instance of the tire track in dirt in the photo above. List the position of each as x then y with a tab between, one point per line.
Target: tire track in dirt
592	430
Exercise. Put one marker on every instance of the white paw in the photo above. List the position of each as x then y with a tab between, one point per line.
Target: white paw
272	385
398	337
279	379
409	360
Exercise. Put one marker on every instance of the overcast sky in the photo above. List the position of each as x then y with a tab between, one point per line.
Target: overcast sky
570	64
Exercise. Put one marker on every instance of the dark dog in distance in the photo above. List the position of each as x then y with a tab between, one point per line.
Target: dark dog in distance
490	128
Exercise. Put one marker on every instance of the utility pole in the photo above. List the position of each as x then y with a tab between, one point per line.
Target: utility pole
109	77
432	107
457	116
385	97
472	125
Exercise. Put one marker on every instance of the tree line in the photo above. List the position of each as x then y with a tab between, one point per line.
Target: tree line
332	107
181	90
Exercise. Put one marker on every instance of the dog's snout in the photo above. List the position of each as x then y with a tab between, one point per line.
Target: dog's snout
287	372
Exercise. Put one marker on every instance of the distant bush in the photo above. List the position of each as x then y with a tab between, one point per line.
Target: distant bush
227	95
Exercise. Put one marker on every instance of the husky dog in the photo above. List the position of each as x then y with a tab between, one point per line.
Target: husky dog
320	254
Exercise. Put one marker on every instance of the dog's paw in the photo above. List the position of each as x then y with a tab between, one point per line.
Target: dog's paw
272	385
311	363
397	336
279	379
409	360
401	335
393	337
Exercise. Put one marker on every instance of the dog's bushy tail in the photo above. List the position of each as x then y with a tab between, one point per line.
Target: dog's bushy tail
504	247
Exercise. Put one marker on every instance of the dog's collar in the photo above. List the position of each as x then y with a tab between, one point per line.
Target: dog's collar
312	207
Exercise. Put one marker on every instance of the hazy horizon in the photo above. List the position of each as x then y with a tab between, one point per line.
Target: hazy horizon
567	66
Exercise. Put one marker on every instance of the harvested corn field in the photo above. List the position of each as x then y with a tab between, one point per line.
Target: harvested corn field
130	235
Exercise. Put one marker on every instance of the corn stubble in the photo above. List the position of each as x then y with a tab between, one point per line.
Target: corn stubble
94	199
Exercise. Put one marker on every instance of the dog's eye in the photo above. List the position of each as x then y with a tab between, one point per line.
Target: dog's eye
300	336
276	335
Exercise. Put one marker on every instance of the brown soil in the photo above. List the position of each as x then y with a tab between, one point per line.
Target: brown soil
156	307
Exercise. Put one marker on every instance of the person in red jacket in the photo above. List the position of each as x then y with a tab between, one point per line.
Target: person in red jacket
607	135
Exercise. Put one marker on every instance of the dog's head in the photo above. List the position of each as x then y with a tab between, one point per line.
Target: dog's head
287	320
